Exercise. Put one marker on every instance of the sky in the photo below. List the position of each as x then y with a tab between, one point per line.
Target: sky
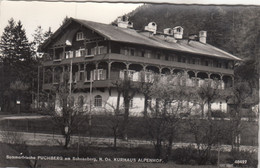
51	14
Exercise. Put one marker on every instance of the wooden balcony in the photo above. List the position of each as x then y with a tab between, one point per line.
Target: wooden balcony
141	60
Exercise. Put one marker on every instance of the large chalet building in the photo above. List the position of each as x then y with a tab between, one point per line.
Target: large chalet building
99	54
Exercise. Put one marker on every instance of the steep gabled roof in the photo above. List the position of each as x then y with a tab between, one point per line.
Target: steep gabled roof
126	35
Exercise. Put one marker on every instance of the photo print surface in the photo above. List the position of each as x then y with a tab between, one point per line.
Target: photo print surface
129	84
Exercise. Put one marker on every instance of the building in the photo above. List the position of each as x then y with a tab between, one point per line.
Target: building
104	53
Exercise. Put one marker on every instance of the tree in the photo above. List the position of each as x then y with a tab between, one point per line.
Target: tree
114	121
208	93
128	89
145	89
66	114
206	136
65	20
8	44
16	53
172	99
47	34
38	39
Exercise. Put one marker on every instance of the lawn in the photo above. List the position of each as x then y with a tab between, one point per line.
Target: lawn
136	129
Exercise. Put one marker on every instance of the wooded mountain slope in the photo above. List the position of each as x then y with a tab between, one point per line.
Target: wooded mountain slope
235	29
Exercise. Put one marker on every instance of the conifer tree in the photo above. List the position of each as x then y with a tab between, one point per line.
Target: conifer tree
8	44
47	34
18	64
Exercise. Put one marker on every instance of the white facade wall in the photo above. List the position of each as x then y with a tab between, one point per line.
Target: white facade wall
109	102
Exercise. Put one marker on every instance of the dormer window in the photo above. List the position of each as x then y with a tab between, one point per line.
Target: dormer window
79	36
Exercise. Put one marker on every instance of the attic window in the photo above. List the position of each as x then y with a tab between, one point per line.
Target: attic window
124	18
178	29
79	36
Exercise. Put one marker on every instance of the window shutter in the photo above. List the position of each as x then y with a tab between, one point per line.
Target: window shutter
122	51
75	77
93	51
62	77
104	50
104	74
96	74
135	76
94	77
78	76
91	76
85	76
121	74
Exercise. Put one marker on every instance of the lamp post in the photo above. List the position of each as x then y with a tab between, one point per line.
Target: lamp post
38	87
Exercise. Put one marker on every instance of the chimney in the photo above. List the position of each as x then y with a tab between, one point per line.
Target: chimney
151	27
123	22
203	37
178	32
168	31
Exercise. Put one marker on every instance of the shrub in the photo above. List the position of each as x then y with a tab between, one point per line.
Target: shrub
219	114
185	155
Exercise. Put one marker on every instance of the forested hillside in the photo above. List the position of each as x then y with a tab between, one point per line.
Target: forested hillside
235	29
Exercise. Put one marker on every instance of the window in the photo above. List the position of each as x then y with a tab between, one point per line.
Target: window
226	65
131	74
219	64
148	77
167	57
143	53
100	50
210	63
206	63
183	59
89	52
220	106
131	103
132	51
48	76
179	59
82	52
79	36
149	54
80	103
98	101
81	75
193	61
99	74
198	61
158	55
68	54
